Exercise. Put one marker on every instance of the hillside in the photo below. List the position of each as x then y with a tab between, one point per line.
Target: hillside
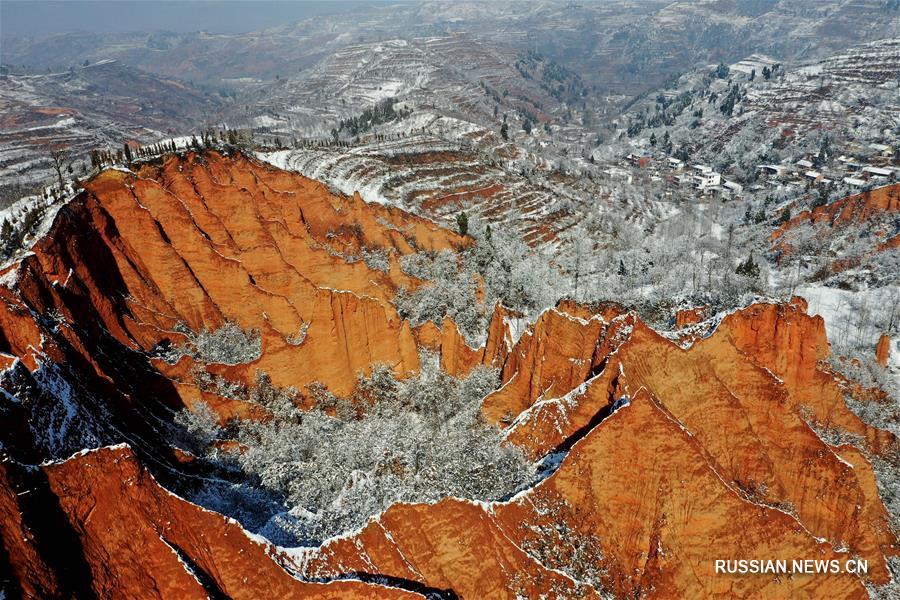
216	385
623	46
85	107
436	125
450	300
743	116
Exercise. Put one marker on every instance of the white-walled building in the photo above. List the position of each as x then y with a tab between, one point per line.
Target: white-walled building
706	179
878	173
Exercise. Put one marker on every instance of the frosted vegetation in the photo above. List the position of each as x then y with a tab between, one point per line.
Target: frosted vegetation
228	345
687	259
864	370
702	253
500	263
376	259
560	543
14	231
891	590
320	472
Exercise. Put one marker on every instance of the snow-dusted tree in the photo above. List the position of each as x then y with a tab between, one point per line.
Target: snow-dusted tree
60	158
412	440
201	425
449	291
228	345
508	270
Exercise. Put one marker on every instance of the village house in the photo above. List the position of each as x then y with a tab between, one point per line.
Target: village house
850	163
773	170
733	187
715	190
618	173
882	149
854	181
638	160
878	173
685	178
705	177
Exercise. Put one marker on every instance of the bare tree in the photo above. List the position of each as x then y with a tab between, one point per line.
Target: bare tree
61	159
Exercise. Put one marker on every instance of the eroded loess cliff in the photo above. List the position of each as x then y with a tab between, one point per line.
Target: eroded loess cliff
669	456
99	525
659	453
138	259
857	227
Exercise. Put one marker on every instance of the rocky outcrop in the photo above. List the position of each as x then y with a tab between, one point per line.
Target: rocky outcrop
665	452
633	510
727	402
870	214
113	532
458	358
690	316
669	457
790	344
883	350
550	359
852	209
195	242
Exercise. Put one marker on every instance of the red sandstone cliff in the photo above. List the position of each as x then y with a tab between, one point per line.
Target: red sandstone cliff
199	241
672	456
667	456
117	534
863	209
852	209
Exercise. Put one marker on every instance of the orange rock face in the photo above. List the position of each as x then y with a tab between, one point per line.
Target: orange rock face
124	536
790	344
658	458
639	492
852	210
857	208
672	457
457	358
883	350
690	316
201	241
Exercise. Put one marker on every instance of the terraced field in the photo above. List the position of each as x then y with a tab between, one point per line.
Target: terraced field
87	107
438	179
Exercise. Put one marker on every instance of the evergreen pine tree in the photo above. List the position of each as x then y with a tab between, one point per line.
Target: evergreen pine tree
462	222
785	215
748	268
